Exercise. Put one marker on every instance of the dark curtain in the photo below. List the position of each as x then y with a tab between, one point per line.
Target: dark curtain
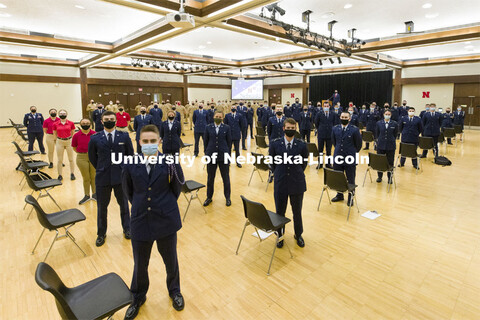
361	87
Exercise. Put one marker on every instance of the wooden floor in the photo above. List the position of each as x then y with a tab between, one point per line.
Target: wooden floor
419	260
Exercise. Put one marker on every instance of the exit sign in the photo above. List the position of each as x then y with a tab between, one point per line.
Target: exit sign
140	89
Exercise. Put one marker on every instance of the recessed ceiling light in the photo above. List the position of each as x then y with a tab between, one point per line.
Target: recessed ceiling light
469	47
427	6
5	15
431	15
2	6
79	7
327	15
201	47
348	6
468	42
209	42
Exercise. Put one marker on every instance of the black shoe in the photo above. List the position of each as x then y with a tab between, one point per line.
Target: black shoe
72	177
63	164
329	166
422	156
85	199
365	148
416	167
229	202
319	166
46	153
177	302
379	180
126	234
133	309
239	165
450	143
300	241
100	240
60	177
270	179
183	134
350	203
195	154
244	148
207	202
337	198
50	166
280	244
401	165
94	196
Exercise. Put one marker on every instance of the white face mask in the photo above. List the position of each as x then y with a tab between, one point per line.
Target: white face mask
372	109
459	109
326	109
351	112
411	113
432	109
387	117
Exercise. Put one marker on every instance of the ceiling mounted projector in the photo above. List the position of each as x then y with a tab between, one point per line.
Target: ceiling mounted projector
181	19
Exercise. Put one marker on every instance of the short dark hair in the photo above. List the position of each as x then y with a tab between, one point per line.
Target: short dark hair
411	108
51	110
108	113
216	112
289	121
150	128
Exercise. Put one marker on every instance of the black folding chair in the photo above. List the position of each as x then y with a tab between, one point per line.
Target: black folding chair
42	187
379	162
97	299
25	154
265	220
337	181
185	146
408	150
313	150
260	131
425	143
297	135
260	165
260	142
23	137
361	126
54	221
258	124
367	136
192	187
450	133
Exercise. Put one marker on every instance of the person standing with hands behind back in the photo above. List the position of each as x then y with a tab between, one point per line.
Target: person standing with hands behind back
289	179
34	123
80	142
49	138
153	190
63	131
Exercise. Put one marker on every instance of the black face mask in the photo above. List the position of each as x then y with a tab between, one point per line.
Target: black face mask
217	121
305	110
85	127
199	107
344	121
53	114
279	113
155	106
33	110
404	104
448	111
173	108
273	108
143	112
212	107
63	117
109	124
289	133
171	118
99	107
234	110
120	109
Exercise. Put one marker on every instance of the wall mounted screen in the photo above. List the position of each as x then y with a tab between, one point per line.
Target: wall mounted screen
247	89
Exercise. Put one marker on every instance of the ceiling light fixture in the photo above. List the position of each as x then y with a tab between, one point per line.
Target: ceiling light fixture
79	7
313	63
291	65
348	6
301	64
339	60
2	6
331	60
321	63
427	6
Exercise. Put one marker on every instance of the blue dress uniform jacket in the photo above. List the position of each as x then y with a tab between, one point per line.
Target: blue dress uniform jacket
447	120
210	115
249	115
33	122
242	110
288	111
403	111
459	118
354	120
220	143
199	121
275	128
99	154
306	121
371	119
324	125
386	138
266	115
362	116
139	123
97	119
395	114
410	129
289	178
154	213
235	123
170	138
260	111
335	98
431	124
343	142
157	115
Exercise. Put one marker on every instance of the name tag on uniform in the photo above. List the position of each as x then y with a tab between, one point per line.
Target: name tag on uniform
120	143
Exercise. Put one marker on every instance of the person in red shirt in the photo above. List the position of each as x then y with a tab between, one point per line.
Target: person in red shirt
63	131
80	142
123	119
48	130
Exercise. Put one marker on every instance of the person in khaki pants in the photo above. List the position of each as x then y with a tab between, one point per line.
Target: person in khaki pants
49	138
63	131
80	142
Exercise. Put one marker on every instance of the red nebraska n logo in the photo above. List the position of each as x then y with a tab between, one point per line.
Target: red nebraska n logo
292	95
426	94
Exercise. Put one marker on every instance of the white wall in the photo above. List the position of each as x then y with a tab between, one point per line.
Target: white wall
17	97
133	75
210	80
207	94
38	70
287	94
440	94
281	80
462	69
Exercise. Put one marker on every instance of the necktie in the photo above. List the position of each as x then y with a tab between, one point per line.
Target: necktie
289	146
327	114
411	119
150	170
110	139
143	117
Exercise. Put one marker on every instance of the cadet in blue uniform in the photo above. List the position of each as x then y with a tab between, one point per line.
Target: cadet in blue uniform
170	134
427	108
324	122
337	111
431	128
153	191
108	175
260	111
387	130
249	114
288	110
395	112
411	127
459	119
34	123
289	178
296	110
210	113
199	120
447	122
97	117
362	115
242	110
157	115
275	124
353	117
218	140
139	122
335	98
306	121
235	122
348	141
267	114
371	118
